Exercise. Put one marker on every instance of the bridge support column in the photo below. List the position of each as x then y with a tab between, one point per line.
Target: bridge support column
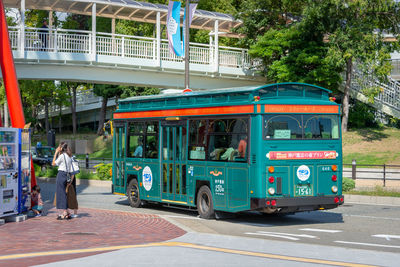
158	44
93	52
216	52
21	46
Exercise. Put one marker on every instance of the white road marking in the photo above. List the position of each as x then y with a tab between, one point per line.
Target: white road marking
373	217
388	237
320	230
282	235
181	217
273	235
366	244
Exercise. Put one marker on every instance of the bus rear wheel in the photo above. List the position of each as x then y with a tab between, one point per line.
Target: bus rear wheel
205	205
133	194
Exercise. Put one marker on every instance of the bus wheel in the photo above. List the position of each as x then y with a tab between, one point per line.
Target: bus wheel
133	194
205	206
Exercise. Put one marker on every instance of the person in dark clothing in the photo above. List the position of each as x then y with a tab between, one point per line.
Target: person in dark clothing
43	35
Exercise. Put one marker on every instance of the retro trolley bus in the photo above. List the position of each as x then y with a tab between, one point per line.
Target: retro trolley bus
275	148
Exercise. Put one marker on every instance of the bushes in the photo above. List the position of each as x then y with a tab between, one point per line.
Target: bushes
348	184
85	174
103	171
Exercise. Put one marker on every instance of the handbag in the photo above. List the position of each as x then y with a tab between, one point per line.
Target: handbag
71	197
75	166
69	179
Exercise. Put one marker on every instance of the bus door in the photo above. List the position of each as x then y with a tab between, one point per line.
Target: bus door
173	161
119	158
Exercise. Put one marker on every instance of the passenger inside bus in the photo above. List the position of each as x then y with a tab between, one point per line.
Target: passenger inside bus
139	150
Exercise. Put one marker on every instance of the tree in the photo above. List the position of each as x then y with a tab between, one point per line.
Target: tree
317	41
106	92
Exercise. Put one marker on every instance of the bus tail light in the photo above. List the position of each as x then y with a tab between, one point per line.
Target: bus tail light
334	178
273	202
336	200
271	179
271	190
334	168
341	199
268	202
271	169
334	189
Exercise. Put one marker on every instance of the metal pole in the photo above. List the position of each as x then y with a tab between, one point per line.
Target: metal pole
93	32
22	30
353	169
187	45
384	175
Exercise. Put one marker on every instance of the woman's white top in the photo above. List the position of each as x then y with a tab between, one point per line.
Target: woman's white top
62	160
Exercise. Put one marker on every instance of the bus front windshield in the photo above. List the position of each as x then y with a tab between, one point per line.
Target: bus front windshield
288	126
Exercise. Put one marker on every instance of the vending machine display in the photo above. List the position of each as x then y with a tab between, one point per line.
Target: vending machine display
9	171
15	171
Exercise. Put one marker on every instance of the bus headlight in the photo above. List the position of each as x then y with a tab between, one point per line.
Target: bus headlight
334	189
271	190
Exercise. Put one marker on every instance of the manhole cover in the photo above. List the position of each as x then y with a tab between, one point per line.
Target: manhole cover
80	233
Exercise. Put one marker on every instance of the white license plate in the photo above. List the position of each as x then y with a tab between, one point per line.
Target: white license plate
303	190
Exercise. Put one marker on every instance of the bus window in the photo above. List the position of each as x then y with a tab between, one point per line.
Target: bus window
224	139
136	139
197	142
151	140
321	127
282	127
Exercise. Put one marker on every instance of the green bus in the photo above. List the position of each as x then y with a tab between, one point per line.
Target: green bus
275	149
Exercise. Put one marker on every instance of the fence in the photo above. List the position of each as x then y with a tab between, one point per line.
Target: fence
384	173
89	164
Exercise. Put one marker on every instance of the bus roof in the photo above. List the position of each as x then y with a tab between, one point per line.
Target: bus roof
270	93
224	91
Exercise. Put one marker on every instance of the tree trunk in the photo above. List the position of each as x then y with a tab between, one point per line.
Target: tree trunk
73	108
46	115
102	117
59	120
346	96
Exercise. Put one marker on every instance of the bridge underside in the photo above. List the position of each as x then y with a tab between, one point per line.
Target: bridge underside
138	76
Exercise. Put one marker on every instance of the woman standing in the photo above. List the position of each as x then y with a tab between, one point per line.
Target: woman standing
63	160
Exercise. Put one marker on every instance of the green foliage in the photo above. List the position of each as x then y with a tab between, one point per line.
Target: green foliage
103	171
377	191
85	174
48	172
37	169
361	116
348	184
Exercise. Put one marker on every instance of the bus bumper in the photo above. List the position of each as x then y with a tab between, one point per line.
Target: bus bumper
293	204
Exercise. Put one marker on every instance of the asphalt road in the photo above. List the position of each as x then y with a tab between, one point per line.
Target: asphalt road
356	226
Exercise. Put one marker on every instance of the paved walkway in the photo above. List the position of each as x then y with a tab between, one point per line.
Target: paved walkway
26	243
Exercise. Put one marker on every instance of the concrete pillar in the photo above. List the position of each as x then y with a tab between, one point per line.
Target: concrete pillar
216	52
94	32
158	36
22	31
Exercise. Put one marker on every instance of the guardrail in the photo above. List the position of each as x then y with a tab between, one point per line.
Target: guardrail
383	172
89	164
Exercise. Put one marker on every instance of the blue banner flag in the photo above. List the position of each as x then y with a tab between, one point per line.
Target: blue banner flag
192	9
174	28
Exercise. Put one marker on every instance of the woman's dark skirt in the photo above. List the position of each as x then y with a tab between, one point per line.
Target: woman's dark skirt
61	184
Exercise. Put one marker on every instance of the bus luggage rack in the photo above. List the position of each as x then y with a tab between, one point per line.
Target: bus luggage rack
383	172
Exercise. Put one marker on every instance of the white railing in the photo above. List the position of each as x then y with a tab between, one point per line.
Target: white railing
76	41
390	91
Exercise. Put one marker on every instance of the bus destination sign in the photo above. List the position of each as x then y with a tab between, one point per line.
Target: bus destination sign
290	155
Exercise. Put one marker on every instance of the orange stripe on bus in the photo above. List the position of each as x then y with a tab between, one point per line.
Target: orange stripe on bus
186	112
258	108
301	109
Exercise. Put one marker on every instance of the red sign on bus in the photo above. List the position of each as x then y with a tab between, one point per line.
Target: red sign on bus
287	155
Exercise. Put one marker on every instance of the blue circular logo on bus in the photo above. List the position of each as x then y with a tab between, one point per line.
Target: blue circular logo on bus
303	173
147	178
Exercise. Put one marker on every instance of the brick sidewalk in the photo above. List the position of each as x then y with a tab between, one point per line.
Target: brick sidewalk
92	229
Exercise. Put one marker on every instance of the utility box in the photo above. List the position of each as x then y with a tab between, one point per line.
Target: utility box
51	138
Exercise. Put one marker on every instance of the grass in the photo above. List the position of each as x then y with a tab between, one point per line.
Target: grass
372	146
378	192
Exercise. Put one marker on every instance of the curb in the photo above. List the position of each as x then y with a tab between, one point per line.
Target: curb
86	182
372	200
